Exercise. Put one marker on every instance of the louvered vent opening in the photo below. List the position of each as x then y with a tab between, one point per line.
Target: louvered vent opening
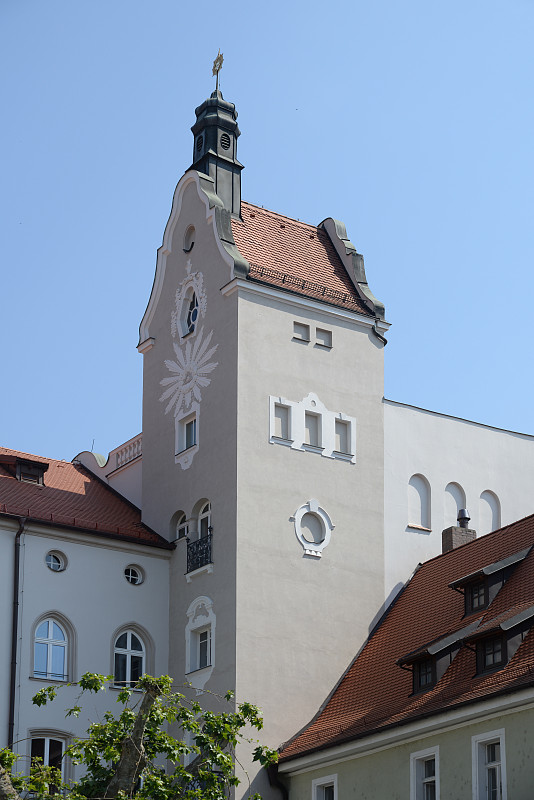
225	141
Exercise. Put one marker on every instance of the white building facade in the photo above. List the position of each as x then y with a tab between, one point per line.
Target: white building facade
297	500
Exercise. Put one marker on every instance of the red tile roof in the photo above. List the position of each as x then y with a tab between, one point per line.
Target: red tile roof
72	497
376	693
294	256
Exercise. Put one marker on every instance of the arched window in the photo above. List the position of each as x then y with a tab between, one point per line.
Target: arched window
189	313
50	651
204	521
419	502
454	501
489	513
129	659
182	528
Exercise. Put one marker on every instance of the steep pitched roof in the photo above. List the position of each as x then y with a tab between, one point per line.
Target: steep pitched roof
376	693
295	257
71	497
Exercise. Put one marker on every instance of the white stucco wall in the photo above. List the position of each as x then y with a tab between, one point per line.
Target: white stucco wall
95	599
447	450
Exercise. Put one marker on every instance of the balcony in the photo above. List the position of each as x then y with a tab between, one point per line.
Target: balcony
198	553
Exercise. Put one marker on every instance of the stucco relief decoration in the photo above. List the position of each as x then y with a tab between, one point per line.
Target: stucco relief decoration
191	366
189	372
194	282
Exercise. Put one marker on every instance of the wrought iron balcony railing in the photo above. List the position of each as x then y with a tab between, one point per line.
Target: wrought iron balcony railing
198	553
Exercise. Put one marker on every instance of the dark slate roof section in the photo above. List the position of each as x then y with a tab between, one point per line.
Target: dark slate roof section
295	257
375	694
72	497
491	568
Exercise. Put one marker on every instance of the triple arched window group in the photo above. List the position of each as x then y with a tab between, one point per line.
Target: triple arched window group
53	646
419	506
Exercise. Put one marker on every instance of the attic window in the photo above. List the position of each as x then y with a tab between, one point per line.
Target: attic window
424	674
476	596
31	473
491	653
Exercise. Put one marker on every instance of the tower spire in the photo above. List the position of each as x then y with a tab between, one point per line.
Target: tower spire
215	144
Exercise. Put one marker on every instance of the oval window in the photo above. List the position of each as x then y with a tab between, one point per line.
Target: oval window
55	561
312	528
134	574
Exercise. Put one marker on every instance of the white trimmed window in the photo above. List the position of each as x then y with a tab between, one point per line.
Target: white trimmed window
129	659
200	642
325	788
424	774
187	433
50	751
282	426
343	438
312	429
204	521
489	766
182	527
50	651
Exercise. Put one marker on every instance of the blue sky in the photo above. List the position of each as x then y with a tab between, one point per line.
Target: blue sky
412	122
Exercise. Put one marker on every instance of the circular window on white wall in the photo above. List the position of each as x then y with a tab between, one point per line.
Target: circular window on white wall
134	574
55	561
313	528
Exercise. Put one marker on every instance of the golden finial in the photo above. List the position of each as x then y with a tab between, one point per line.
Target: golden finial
217	65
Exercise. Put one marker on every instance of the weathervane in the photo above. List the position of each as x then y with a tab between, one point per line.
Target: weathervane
217	65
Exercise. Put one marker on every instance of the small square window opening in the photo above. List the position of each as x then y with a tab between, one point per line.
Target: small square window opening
323	338
301	332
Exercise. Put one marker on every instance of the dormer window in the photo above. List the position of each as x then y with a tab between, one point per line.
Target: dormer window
30	473
481	587
491	653
476	596
424	674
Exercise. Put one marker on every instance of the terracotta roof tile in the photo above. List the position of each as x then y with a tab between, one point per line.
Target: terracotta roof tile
73	497
294	256
376	693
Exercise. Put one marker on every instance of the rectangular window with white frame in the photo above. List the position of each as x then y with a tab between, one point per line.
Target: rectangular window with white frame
343	438
187	433
301	332
312	429
325	788
203	642
282	422
489	766
323	338
424	774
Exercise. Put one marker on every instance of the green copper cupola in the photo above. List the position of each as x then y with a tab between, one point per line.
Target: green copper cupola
215	149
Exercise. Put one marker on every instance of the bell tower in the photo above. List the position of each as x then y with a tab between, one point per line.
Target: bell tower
215	147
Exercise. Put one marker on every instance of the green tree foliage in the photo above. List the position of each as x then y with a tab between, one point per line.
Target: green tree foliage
140	752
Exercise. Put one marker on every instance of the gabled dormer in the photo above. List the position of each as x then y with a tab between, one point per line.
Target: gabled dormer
26	470
480	588
429	662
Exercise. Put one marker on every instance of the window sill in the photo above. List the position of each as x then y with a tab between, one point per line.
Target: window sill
193	574
414	527
185	450
323	346
342	456
302	341
200	670
49	680
312	448
281	440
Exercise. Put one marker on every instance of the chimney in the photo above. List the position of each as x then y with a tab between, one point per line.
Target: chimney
456	535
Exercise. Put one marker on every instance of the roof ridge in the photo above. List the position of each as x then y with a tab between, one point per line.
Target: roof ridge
22	454
297	222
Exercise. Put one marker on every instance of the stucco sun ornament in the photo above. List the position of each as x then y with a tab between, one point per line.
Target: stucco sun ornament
189	373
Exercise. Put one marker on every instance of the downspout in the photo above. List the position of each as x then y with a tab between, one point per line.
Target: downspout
274	780
14	633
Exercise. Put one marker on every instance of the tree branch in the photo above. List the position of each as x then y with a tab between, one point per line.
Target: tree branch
133	757
7	790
